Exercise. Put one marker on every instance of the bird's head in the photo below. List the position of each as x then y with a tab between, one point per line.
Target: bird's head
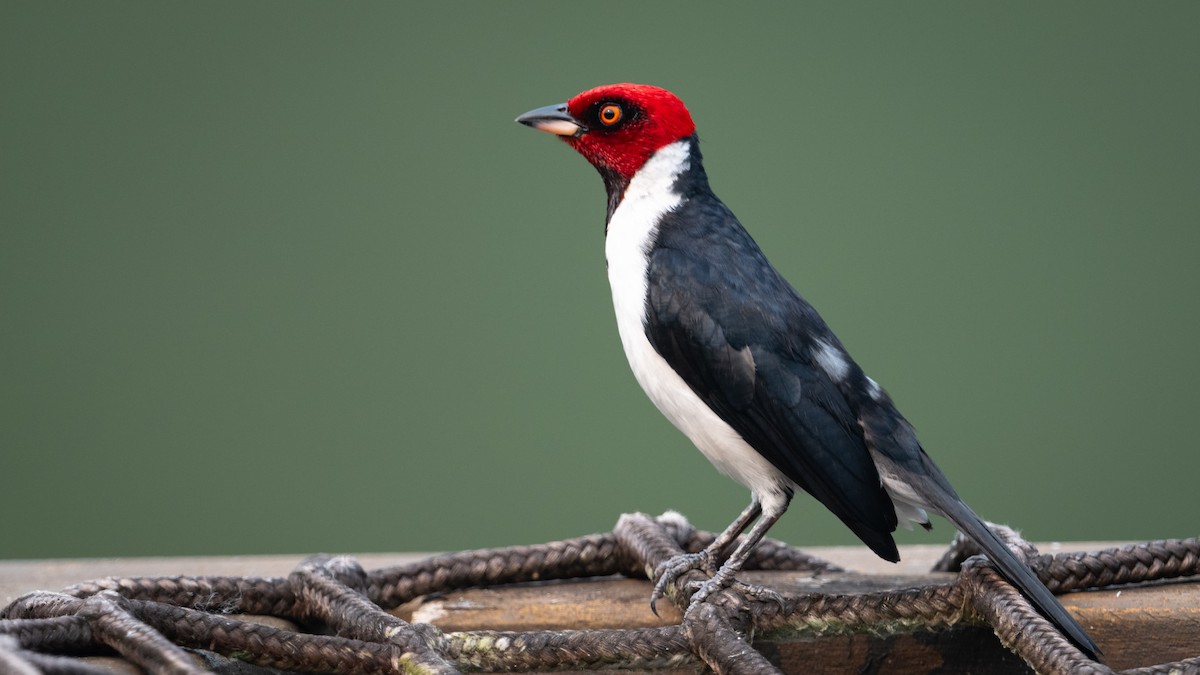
617	127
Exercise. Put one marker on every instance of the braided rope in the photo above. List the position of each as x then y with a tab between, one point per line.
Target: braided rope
595	555
152	620
1154	560
225	595
642	649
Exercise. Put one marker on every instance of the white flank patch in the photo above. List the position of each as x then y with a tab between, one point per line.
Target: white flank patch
631	232
874	390
910	508
832	360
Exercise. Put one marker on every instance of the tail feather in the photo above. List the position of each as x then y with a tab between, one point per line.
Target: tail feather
1016	572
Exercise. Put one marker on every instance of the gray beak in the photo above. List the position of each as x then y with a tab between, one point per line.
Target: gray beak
553	119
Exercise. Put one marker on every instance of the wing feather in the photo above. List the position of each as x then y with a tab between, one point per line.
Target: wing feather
743	340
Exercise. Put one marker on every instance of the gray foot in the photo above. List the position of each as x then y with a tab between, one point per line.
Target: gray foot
672	568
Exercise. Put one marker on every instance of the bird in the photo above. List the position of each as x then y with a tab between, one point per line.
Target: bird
734	357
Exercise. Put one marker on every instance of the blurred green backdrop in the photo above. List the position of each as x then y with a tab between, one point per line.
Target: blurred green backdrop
286	277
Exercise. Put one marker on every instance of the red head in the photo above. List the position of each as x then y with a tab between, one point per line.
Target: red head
617	127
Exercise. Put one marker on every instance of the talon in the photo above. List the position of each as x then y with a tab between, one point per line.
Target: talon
658	592
762	593
704	589
669	570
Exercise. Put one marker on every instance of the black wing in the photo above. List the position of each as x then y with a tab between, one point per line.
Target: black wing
743	340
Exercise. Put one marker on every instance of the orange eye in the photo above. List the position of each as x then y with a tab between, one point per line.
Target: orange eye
610	114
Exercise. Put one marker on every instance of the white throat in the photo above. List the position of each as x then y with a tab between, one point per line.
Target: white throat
632	228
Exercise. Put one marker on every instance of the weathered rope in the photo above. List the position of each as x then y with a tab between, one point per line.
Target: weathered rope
154	621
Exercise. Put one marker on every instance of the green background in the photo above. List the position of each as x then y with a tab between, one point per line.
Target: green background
286	277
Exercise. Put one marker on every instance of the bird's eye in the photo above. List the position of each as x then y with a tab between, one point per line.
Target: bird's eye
611	114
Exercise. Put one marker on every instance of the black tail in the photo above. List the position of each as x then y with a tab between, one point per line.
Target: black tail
1011	567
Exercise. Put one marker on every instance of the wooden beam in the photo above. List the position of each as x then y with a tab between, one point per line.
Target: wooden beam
1134	627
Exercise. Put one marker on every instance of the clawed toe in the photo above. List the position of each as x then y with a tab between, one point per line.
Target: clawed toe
671	569
761	593
704	589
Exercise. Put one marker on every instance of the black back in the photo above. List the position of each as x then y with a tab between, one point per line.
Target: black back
743	339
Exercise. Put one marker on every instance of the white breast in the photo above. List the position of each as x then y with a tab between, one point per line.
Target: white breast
631	232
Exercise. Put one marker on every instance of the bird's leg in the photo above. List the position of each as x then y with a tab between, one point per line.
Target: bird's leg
725	576
672	568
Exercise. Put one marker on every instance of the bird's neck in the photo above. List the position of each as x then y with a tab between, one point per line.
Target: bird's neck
675	169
